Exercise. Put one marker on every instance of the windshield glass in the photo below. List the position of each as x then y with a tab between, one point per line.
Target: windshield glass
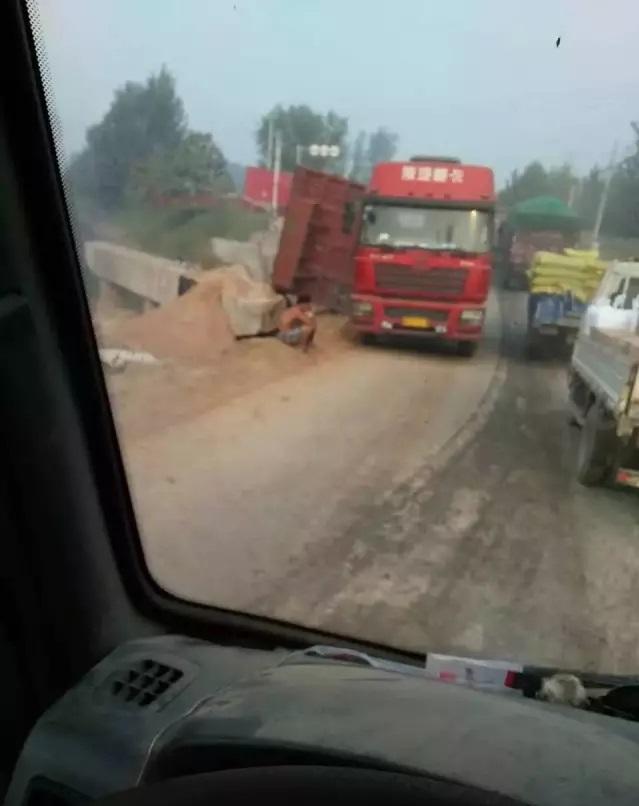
426	228
401	449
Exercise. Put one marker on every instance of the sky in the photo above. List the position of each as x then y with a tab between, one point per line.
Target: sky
480	79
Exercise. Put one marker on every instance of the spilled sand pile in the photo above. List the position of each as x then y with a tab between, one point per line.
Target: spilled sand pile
194	327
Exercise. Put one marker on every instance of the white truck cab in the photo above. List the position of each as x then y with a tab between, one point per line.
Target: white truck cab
619	287
604	381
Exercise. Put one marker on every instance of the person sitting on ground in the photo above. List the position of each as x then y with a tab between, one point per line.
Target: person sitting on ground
297	324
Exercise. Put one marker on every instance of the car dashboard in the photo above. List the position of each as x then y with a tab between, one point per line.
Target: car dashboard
161	708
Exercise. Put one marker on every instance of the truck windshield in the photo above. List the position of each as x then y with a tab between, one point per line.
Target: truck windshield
426	228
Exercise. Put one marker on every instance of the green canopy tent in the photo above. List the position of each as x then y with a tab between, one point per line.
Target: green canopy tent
544	213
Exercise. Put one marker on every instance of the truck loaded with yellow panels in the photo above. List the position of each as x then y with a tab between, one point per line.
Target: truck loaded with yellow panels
575	271
561	285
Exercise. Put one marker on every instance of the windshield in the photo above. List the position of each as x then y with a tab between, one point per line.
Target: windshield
426	228
407	455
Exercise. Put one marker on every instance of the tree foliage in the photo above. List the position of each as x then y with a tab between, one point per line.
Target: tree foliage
382	146
369	149
302	126
588	196
535	180
621	212
142	146
359	165
194	166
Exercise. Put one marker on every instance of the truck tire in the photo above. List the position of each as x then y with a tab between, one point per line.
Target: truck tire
368	339
466	349
597	443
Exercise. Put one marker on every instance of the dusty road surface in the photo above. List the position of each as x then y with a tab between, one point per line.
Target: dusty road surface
409	497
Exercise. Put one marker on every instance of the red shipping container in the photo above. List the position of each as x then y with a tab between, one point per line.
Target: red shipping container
258	187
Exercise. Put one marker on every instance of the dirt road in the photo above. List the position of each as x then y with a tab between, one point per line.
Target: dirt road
412	498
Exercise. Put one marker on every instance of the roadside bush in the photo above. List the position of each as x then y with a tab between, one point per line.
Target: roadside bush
185	234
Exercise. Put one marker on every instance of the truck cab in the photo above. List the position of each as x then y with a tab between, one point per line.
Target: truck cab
423	261
603	381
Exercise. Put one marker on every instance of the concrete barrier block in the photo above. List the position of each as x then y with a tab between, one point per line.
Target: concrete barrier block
243	252
150	277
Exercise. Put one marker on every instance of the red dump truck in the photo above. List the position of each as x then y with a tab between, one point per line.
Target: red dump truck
423	262
409	255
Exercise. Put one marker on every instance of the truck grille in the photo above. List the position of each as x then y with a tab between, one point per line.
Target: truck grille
444	282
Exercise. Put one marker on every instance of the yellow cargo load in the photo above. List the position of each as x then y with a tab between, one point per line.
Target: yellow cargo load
576	271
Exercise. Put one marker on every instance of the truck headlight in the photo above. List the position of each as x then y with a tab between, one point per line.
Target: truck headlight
362	309
473	317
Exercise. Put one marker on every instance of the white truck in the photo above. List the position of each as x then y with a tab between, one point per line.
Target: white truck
604	381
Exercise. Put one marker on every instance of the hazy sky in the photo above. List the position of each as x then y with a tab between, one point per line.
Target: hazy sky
481	79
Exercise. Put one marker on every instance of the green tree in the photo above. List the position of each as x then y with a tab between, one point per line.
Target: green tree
142	148
382	146
370	149
532	181
301	126
562	183
195	165
621	216
143	119
588	194
536	180
360	168
621	212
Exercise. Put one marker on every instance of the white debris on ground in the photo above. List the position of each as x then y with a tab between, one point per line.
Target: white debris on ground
119	358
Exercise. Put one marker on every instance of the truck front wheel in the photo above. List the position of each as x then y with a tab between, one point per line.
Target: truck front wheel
466	349
596	449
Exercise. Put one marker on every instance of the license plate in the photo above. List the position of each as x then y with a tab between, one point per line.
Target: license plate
549	330
415	321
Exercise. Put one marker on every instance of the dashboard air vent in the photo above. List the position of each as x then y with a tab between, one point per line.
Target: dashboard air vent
144	683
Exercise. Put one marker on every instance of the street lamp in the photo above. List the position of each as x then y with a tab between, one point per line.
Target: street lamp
317	150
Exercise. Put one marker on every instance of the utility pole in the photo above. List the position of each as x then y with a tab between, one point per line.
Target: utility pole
603	199
269	143
276	172
349	165
575	186
298	154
